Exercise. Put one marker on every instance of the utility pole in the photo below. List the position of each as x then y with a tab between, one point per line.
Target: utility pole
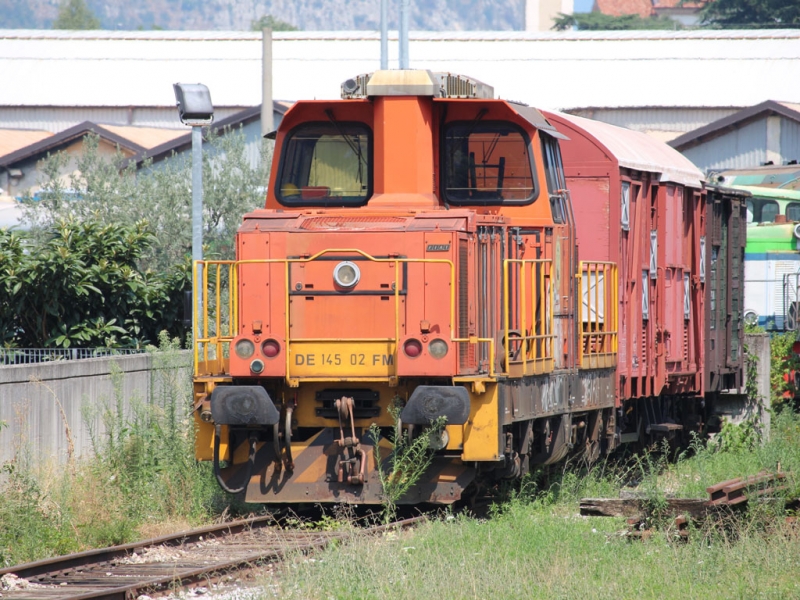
196	110
405	8
267	124
384	34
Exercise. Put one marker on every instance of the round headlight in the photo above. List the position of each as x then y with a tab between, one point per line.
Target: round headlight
270	348
412	348
244	348
257	366
437	348
346	274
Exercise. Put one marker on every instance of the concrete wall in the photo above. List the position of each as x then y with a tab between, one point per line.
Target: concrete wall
44	404
735	406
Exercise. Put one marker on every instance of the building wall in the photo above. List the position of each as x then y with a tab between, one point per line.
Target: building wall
552	70
790	140
49	407
541	14
663	122
772	138
738	149
33	177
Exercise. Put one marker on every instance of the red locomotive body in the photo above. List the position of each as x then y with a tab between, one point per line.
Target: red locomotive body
417	268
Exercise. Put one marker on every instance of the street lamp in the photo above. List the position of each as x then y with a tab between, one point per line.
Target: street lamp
195	109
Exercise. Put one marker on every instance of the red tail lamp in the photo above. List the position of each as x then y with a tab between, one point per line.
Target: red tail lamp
412	348
270	348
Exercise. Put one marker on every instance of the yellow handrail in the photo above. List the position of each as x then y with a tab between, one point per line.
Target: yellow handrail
221	338
598	314
543	327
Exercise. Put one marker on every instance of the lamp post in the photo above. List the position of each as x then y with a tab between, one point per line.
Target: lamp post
195	109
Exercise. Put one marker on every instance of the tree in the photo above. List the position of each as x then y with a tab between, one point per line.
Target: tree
597	21
752	14
83	286
106	190
107	257
75	14
270	22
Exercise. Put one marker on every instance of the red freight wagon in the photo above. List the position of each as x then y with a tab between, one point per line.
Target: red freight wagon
640	204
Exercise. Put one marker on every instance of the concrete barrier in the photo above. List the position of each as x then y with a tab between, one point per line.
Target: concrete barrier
734	405
50	409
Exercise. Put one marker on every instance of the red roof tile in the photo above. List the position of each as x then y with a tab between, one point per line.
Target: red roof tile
617	8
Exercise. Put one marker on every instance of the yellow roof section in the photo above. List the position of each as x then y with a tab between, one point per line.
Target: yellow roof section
12	140
146	137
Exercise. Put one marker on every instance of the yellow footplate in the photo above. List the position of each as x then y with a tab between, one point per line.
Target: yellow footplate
314	477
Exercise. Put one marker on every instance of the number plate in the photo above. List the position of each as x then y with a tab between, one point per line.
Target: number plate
342	360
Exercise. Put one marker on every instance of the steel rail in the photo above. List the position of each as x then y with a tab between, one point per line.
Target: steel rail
104	573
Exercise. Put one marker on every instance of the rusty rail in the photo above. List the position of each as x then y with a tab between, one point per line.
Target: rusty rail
123	572
736	491
730	493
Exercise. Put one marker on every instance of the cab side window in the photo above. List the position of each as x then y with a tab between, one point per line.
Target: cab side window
487	163
793	211
554	173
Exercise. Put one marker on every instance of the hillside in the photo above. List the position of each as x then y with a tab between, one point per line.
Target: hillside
310	15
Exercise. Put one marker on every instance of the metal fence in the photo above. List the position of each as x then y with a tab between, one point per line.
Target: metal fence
28	356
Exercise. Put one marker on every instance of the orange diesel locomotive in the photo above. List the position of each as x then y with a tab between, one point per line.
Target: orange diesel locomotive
416	263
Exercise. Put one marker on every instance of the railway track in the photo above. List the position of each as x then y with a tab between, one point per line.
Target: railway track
161	565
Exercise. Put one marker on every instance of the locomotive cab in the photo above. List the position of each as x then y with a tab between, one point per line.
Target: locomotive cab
414	268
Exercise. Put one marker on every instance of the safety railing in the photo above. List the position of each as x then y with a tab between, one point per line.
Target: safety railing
598	314
215	315
217	320
29	356
528	291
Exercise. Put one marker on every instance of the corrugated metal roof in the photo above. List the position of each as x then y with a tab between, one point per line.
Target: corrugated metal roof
737	120
568	69
636	150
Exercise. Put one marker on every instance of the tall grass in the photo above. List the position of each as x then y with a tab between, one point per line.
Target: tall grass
538	551
535	545
141	479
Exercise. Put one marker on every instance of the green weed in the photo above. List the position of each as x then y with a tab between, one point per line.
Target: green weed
143	474
408	460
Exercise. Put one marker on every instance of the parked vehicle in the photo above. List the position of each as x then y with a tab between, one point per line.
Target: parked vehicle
428	264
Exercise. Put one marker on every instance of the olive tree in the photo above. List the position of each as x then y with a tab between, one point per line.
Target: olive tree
107	257
113	191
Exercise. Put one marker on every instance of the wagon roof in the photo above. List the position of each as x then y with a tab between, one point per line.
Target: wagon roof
636	150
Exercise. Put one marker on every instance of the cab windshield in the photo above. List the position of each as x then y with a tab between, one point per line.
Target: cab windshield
326	164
